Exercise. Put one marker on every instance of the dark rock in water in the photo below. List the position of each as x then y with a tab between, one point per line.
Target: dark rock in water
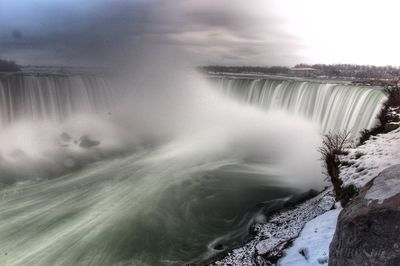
368	229
87	142
65	137
301	198
219	247
390	127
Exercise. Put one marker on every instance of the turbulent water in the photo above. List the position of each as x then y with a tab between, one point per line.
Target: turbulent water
173	173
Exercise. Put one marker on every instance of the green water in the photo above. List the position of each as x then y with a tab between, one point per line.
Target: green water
132	211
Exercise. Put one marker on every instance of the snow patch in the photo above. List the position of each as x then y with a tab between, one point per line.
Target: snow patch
312	246
365	162
272	236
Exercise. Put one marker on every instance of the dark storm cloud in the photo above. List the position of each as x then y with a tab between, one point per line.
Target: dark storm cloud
104	31
62	31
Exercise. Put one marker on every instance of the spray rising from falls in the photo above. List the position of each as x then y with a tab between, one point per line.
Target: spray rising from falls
192	193
46	120
332	106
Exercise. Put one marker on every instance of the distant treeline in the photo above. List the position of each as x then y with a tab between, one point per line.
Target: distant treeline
356	71
336	70
247	69
8	66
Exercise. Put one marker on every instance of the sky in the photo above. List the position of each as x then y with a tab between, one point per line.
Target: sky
222	32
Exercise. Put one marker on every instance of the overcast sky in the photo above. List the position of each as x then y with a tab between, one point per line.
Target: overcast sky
232	32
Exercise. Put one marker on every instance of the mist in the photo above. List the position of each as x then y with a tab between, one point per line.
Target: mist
159	107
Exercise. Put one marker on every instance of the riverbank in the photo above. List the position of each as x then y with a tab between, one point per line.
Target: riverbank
281	228
361	165
306	233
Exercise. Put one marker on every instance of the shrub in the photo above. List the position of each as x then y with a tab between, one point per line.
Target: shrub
333	145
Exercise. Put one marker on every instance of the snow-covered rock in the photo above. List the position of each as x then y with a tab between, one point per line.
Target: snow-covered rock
368	229
277	233
365	162
359	166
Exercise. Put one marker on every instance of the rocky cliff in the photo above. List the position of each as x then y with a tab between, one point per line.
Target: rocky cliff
368	229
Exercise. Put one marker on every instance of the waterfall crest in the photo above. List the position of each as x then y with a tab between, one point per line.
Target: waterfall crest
332	106
50	97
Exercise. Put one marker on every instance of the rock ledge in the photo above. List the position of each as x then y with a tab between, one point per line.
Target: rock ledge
368	229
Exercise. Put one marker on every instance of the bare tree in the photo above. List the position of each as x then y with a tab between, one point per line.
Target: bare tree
333	145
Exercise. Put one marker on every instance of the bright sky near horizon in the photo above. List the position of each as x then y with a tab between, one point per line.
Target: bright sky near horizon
252	32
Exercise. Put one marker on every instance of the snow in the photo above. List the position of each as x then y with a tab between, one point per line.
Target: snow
368	160
282	227
314	226
312	246
362	164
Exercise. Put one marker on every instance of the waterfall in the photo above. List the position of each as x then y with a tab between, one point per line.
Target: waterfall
175	171
332	106
50	97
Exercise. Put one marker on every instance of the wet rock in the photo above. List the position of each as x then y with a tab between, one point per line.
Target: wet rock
219	247
272	237
86	142
390	127
368	229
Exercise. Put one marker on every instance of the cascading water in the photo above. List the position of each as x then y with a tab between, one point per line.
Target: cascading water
178	172
51	97
332	106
